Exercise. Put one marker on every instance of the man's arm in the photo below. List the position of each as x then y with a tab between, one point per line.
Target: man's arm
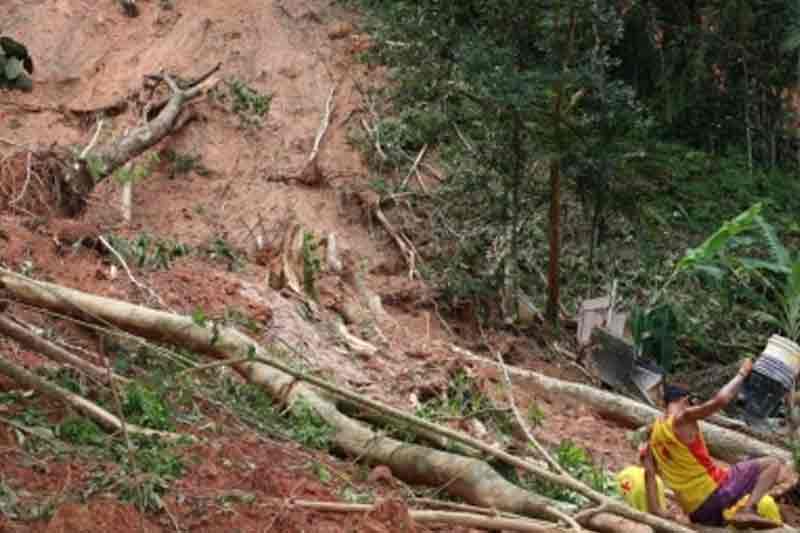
720	399
651	485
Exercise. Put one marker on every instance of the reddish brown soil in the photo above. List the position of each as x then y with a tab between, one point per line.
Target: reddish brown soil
89	56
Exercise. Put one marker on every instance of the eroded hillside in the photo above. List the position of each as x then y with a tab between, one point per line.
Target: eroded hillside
215	207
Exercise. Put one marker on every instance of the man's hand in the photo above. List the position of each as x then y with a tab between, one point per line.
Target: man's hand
746	368
647	461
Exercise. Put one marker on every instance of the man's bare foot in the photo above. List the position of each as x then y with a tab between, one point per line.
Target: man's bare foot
750	520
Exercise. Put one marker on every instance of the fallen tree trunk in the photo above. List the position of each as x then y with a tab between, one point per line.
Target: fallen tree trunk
28	338
724	444
608	523
454	518
473	480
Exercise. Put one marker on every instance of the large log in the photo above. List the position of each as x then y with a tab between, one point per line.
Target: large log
35	342
725	444
473	480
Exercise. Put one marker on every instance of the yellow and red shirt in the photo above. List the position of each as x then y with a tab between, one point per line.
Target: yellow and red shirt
687	469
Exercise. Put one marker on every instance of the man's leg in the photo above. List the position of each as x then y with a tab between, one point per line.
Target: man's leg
769	469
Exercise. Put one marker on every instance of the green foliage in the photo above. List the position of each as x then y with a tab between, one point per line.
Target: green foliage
145	475
654	333
145	251
246	102
495	91
711	247
322	472
81	431
715	85
199	317
796	456
535	415
219	249
239	318
655	327
143	406
308	427
577	462
779	274
464	398
96	166
181	163
130	173
767	286
67	378
652	119
155	457
252	405
312	264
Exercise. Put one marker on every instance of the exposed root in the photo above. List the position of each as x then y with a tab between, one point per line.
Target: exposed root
29	181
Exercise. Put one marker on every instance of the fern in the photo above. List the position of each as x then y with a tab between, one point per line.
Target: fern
776	249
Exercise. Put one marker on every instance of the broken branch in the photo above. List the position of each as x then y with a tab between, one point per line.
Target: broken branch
80	404
451	518
35	342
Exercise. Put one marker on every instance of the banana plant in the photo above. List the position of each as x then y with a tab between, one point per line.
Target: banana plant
655	326
785	290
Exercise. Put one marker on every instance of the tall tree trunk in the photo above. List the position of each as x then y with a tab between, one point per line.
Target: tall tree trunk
797	109
516	216
748	125
553	287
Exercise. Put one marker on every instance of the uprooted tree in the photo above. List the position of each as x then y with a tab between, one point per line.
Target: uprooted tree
470	478
58	176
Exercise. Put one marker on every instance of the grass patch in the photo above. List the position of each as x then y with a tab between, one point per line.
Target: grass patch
181	164
246	102
309	428
146	251
578	463
145	407
219	249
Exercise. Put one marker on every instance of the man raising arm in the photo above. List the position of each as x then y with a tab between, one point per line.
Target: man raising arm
705	490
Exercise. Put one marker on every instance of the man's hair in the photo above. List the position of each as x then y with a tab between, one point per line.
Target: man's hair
673	393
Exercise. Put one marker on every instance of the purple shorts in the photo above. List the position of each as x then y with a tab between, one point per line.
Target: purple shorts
741	480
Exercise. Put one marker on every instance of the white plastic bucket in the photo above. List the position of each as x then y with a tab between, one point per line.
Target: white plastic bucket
784	350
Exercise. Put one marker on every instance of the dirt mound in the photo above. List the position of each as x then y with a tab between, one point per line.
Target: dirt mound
218	187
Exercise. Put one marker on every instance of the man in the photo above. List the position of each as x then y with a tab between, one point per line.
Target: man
711	495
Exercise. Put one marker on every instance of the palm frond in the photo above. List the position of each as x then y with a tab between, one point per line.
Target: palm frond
776	249
751	264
